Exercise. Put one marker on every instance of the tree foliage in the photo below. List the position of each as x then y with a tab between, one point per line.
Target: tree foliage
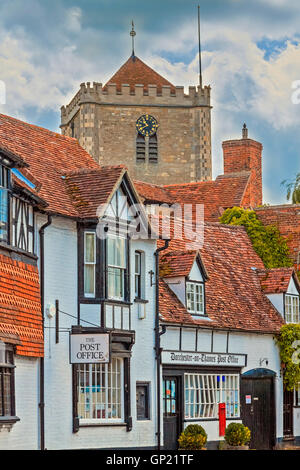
293	189
288	341
266	240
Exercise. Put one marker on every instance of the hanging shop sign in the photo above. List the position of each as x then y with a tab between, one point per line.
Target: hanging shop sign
203	359
89	348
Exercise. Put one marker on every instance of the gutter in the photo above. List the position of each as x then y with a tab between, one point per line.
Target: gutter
157	339
42	361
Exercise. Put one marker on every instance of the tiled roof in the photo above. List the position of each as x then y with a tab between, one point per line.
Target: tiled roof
136	72
226	191
87	189
20	307
274	281
153	193
49	155
177	263
234	298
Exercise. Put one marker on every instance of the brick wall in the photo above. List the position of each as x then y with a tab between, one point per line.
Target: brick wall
287	219
245	155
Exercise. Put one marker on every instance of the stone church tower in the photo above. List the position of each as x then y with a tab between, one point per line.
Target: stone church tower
143	121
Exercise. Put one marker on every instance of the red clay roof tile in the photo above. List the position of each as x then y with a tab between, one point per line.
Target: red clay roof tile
274	281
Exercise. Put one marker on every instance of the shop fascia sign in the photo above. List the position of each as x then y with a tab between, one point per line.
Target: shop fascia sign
203	359
90	348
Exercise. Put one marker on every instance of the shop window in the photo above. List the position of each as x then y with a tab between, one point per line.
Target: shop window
195	298
89	264
142	401
292	308
7	395
100	392
203	393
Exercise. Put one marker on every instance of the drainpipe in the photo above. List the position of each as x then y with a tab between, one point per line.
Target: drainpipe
157	338
42	362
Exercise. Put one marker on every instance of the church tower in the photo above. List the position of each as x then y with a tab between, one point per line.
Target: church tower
140	119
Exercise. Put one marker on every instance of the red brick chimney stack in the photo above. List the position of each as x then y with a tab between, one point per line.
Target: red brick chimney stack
245	155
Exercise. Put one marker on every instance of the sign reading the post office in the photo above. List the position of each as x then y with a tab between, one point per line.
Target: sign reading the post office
89	348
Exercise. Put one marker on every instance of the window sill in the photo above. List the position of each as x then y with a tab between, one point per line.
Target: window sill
8	421
190	420
104	424
141	301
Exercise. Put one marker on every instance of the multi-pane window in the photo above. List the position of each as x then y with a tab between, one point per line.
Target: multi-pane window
100	391
4	203
138	274
292	308
195	297
116	267
7	400
203	393
89	264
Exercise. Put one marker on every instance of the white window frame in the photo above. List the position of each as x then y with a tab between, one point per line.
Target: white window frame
191	288
291	308
89	263
202	402
90	395
115	267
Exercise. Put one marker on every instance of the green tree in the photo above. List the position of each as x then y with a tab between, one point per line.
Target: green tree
266	240
293	189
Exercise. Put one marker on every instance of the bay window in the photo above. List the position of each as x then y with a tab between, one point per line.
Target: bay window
7	398
100	392
116	267
292	308
195	298
203	393
89	264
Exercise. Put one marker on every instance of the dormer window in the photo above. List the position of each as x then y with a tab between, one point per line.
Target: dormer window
195	298
4	203
292	313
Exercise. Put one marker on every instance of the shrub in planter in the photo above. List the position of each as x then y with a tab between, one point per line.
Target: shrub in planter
237	435
193	437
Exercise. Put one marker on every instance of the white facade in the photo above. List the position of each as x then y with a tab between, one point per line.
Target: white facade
61	277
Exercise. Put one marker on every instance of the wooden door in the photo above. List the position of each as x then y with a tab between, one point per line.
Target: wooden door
288	402
171	409
257	410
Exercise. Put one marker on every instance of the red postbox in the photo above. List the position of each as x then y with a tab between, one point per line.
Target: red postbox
222	419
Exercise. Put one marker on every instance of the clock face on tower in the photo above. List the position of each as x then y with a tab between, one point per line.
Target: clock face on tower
146	125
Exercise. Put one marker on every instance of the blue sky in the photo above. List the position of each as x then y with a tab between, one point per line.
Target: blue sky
251	57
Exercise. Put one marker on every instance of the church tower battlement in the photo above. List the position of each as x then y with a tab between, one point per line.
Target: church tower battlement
140	119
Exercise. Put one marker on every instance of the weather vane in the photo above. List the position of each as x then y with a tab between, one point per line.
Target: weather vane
132	34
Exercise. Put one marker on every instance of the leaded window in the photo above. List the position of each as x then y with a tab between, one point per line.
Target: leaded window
116	267
7	398
203	393
89	264
4	203
100	392
292	308
195	298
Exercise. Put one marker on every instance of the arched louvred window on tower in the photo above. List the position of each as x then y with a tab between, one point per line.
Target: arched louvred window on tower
140	148
153	149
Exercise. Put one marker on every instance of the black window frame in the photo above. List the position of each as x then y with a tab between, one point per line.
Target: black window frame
7	367
147	413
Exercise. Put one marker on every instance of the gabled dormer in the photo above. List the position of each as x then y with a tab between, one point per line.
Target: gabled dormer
185	274
282	288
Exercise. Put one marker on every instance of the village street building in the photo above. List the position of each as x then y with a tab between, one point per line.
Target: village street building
112	374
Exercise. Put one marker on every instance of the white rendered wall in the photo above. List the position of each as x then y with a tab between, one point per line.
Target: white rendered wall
24	434
61	284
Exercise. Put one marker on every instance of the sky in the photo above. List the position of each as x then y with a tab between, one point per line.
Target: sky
251	59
